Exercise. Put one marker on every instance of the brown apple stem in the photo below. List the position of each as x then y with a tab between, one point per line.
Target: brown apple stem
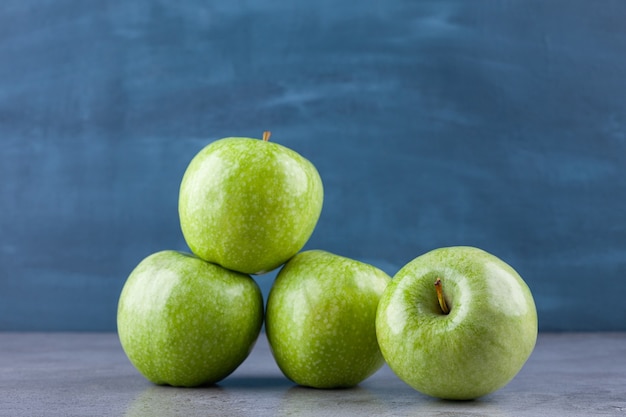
442	301
266	135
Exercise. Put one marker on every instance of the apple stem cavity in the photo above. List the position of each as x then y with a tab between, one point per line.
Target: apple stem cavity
266	136
442	301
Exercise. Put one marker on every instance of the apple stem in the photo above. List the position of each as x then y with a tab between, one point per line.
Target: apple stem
266	136
442	301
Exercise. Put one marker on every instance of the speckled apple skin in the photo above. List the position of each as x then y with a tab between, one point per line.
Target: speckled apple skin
479	346
185	322
249	205
320	319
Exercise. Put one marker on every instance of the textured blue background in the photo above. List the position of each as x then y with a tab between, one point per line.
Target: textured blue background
498	124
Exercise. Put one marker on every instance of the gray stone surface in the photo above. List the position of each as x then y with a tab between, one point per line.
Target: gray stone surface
82	374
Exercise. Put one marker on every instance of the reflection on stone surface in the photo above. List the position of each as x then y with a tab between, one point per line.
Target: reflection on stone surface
307	402
170	401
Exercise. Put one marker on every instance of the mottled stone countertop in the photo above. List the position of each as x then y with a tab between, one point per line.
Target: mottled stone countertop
87	374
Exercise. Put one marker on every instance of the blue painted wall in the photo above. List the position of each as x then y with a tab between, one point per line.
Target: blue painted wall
498	124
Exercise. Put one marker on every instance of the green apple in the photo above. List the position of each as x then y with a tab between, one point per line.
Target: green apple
320	319
456	323
249	205
185	322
